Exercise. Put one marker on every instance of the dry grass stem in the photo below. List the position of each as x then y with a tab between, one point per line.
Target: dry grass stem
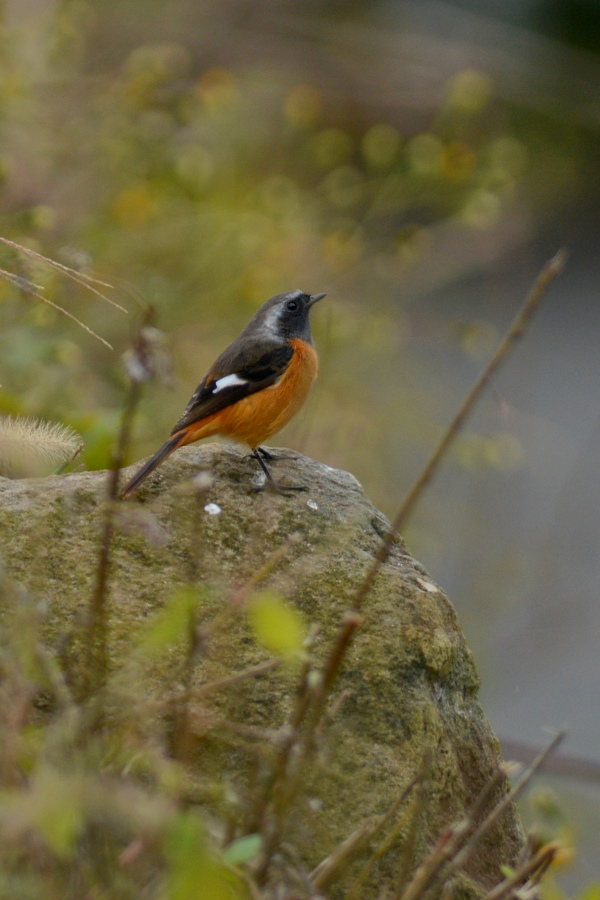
83	278
71	459
23	285
516	331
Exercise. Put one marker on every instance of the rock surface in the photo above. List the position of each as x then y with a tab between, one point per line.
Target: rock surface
408	683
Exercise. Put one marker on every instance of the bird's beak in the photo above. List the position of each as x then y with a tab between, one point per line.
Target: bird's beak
314	298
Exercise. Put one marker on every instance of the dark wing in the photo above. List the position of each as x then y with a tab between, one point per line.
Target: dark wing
236	374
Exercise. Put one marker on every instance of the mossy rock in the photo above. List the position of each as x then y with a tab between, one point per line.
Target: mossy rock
408	685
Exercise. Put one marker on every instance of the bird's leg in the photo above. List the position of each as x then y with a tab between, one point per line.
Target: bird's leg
271	483
266	454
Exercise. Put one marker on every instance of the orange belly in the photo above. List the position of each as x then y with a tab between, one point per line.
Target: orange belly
259	416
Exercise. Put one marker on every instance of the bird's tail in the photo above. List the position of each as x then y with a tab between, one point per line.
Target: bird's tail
151	465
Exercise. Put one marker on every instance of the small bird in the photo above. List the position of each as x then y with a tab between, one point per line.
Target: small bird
254	388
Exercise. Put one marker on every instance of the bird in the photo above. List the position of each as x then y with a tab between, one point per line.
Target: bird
254	388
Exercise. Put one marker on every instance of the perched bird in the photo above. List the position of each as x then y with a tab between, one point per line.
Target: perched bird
254	388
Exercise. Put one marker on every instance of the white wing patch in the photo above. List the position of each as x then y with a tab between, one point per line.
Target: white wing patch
228	381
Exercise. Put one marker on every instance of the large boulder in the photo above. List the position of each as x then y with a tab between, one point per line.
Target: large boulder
408	684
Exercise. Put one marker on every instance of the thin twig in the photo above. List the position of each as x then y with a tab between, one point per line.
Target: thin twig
356	887
181	713
456	846
337	861
451	841
517	789
334	662
268	566
279	767
212	687
564	764
408	849
140	365
97	628
512	336
531	871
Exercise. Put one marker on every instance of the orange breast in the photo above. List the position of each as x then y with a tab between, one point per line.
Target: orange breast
257	417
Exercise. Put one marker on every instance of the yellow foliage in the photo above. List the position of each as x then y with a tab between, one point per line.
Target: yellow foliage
276	624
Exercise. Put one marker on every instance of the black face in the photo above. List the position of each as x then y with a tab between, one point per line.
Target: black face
284	316
294	306
293	313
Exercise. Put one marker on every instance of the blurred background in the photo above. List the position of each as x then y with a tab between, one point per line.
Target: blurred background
417	160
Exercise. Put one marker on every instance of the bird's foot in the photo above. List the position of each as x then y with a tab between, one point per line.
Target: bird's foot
269	484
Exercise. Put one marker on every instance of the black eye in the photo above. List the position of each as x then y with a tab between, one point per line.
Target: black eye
292	305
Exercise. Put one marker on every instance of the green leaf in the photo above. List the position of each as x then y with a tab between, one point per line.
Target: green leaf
193	872
55	808
244	850
171	624
276	624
